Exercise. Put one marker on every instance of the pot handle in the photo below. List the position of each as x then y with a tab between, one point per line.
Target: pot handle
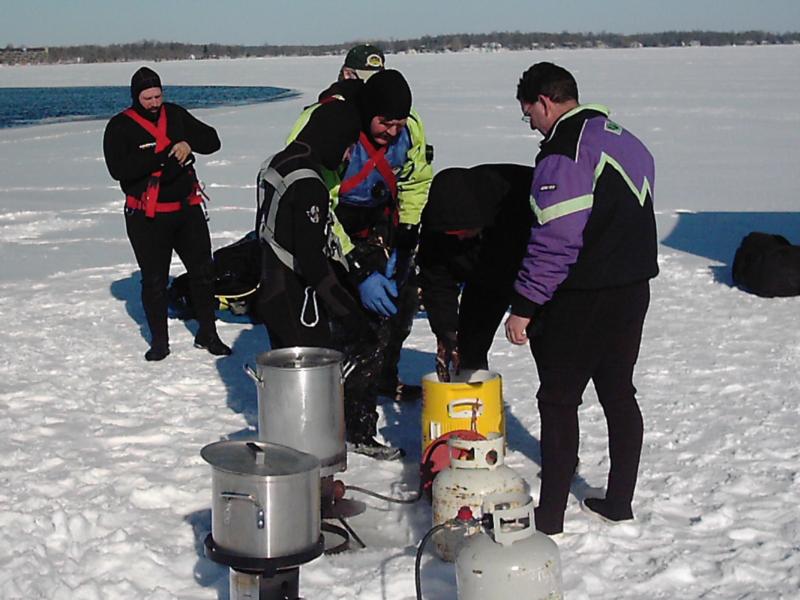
347	368
250	498
253	375
258	453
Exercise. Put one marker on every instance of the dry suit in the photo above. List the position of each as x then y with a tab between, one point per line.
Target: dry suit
163	209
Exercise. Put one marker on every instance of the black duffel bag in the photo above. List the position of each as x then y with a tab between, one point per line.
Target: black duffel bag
237	273
767	265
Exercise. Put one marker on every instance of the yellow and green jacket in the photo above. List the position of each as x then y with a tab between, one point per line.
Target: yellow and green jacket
413	180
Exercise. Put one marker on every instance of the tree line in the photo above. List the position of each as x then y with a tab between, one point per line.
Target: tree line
149	50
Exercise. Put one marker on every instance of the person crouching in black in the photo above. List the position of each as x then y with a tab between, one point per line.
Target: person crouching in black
303	268
475	229
149	149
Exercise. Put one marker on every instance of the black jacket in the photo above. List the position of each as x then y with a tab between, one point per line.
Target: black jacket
493	198
131	158
301	229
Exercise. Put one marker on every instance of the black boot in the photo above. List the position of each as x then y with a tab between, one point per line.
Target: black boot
213	344
158	351
606	511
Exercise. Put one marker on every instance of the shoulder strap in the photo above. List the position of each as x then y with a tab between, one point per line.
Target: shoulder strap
159	133
157	130
266	223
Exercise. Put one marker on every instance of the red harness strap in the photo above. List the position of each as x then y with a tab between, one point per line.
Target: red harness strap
136	203
377	160
329	99
149	199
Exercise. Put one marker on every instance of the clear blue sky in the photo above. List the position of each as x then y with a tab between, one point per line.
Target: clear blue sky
66	22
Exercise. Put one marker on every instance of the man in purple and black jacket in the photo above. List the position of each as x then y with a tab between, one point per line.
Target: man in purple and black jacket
583	289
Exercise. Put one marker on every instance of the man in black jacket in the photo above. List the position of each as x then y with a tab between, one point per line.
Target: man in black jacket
583	288
474	231
149	149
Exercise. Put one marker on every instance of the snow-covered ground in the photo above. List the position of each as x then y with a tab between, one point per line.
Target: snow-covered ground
104	493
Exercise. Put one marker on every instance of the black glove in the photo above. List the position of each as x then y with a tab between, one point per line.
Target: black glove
363	260
447	357
406	236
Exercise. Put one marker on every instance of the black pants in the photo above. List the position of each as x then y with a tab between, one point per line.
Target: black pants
153	240
364	355
399	328
581	336
479	315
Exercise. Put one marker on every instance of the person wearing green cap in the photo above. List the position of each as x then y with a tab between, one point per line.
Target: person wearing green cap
362	62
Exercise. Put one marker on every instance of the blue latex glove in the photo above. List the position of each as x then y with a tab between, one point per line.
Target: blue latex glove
377	290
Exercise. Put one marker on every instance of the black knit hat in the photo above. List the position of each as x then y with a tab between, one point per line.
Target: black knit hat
331	129
385	94
143	79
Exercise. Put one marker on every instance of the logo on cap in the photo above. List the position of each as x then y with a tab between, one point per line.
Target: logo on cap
374	61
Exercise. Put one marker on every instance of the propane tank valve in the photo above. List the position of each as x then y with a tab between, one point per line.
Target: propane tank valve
339	489
465	514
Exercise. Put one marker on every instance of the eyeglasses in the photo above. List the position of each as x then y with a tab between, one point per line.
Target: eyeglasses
526	116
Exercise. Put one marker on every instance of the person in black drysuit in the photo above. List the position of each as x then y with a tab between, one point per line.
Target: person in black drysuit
303	283
149	149
475	229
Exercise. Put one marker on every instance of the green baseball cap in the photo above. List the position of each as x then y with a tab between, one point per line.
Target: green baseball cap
365	57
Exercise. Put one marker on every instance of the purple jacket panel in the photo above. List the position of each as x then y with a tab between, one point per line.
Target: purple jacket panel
621	145
556	243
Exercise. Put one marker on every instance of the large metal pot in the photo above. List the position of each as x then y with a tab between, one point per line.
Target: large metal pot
301	402
265	499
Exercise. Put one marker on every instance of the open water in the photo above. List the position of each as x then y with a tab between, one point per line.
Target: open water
39	105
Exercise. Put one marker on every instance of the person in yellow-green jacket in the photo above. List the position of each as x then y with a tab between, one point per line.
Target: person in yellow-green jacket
378	196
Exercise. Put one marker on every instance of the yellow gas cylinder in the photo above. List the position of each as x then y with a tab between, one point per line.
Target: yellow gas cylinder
472	400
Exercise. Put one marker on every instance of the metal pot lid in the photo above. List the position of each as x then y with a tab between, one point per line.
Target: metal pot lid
263	459
299	357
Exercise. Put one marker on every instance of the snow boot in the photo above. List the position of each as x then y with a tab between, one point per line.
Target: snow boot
158	351
213	344
603	510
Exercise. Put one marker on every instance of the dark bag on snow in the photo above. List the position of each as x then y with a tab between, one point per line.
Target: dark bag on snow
237	273
767	265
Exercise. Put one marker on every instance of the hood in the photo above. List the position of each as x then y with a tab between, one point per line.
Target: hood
347	89
143	79
469	198
331	129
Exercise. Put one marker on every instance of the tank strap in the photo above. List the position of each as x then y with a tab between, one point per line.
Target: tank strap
279	185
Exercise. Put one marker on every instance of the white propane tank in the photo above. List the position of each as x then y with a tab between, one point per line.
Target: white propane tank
510	560
476	471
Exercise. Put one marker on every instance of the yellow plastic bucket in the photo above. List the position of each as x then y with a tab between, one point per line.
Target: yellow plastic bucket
473	400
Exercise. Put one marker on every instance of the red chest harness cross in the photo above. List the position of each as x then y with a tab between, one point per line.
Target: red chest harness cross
377	160
149	199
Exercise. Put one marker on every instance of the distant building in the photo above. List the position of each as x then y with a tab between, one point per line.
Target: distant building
22	56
